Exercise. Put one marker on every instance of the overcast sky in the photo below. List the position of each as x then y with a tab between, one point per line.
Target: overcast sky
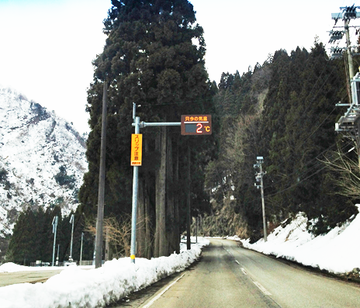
47	46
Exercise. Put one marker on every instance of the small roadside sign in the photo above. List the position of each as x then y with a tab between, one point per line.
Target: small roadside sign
136	149
196	124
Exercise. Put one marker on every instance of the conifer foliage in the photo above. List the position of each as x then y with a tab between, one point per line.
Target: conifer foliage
283	110
33	239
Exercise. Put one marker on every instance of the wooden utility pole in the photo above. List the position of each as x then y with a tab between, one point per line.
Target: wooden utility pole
101	192
263	201
188	202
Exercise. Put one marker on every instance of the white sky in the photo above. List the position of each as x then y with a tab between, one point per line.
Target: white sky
47	46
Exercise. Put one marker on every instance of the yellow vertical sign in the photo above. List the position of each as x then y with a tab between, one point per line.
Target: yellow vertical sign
136	149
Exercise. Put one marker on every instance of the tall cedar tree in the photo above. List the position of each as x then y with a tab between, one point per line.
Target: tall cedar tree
150	58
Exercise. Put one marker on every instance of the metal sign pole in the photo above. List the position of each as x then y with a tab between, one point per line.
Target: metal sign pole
134	200
197	125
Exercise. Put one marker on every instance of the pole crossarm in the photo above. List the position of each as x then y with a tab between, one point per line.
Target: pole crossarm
148	124
348	121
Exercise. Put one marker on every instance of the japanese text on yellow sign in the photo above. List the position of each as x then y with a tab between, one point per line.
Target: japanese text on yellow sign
136	149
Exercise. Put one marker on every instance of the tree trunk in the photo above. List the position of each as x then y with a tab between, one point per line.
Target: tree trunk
160	197
148	224
177	203
140	226
145	216
170	198
107	244
188	201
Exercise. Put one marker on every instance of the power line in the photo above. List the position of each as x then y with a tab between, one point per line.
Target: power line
311	175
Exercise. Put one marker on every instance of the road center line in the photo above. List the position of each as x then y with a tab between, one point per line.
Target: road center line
261	288
162	292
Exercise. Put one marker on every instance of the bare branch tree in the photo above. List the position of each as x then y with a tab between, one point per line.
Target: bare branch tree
348	171
118	234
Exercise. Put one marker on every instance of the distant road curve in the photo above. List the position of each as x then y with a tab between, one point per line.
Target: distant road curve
230	276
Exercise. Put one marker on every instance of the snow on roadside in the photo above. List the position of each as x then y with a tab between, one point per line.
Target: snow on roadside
337	252
75	287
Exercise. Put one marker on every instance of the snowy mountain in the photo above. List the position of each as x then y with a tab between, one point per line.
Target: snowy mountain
42	159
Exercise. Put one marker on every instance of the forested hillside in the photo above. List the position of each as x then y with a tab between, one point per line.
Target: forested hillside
283	110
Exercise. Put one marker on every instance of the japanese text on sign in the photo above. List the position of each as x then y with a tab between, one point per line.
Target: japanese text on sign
136	149
196	125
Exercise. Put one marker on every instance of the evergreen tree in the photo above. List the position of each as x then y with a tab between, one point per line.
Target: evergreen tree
149	59
33	239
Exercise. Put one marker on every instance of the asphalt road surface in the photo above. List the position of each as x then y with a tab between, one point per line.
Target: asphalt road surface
26	276
230	276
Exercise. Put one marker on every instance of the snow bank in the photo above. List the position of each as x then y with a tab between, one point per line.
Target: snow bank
337	251
75	287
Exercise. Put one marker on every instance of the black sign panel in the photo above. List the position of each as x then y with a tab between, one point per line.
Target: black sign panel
196	124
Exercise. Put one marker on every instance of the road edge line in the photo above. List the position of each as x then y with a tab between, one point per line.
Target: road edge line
162	292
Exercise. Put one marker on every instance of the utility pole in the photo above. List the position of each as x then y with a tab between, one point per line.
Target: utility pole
348	48
101	192
188	202
350	121
54	230
259	178
72	236
81	247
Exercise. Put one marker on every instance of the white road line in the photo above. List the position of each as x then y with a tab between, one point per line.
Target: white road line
261	288
244	272
162	292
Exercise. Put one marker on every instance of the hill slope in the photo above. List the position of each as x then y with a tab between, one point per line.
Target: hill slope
42	159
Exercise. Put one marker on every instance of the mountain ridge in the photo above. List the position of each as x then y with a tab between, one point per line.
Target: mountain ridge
42	159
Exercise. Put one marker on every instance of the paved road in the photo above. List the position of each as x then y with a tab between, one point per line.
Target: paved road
229	276
26	276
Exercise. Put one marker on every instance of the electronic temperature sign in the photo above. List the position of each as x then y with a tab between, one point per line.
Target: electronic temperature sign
196	124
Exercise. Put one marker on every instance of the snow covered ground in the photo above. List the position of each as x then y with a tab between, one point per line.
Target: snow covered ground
76	287
337	252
